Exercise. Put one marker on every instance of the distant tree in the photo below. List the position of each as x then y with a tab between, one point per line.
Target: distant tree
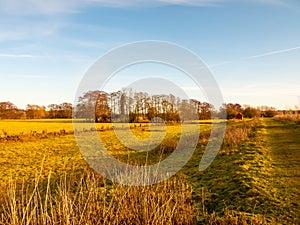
151	113
222	112
232	110
10	111
197	105
186	110
66	110
203	109
53	111
114	103
102	110
86	105
35	112
63	110
205	112
94	106
250	112
123	104
268	111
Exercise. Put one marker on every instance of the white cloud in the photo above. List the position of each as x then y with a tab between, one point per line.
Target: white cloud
8	55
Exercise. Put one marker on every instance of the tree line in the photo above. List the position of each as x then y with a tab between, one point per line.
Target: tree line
127	105
9	110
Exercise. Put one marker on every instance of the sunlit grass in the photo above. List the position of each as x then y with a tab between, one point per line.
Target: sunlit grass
289	117
88	199
25	127
238	188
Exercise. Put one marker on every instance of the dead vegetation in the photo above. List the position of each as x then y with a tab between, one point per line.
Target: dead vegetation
89	199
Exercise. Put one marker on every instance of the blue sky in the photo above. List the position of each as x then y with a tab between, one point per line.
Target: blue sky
251	46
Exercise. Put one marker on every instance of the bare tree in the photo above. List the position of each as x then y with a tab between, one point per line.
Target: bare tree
9	110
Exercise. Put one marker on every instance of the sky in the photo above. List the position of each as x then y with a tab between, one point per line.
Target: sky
252	47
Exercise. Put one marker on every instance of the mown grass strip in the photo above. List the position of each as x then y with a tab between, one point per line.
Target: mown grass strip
283	140
236	186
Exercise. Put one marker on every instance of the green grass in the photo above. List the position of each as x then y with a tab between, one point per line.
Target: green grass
233	181
283	140
257	179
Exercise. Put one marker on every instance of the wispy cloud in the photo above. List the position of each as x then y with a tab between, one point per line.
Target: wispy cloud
34	77
74	6
5	55
88	44
121	3
285	3
39	7
10	35
20	30
273	52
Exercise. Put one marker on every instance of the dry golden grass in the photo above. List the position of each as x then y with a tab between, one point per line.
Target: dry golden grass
231	217
88	199
236	134
289	117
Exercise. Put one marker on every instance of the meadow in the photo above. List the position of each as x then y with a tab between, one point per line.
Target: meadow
45	180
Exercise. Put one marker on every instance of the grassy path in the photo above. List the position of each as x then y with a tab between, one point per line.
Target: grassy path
283	140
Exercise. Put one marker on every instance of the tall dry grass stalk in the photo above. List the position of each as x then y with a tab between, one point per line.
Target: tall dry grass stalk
89	199
236	134
290	117
236	218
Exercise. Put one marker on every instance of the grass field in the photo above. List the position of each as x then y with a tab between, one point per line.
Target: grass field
17	127
253	180
283	140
